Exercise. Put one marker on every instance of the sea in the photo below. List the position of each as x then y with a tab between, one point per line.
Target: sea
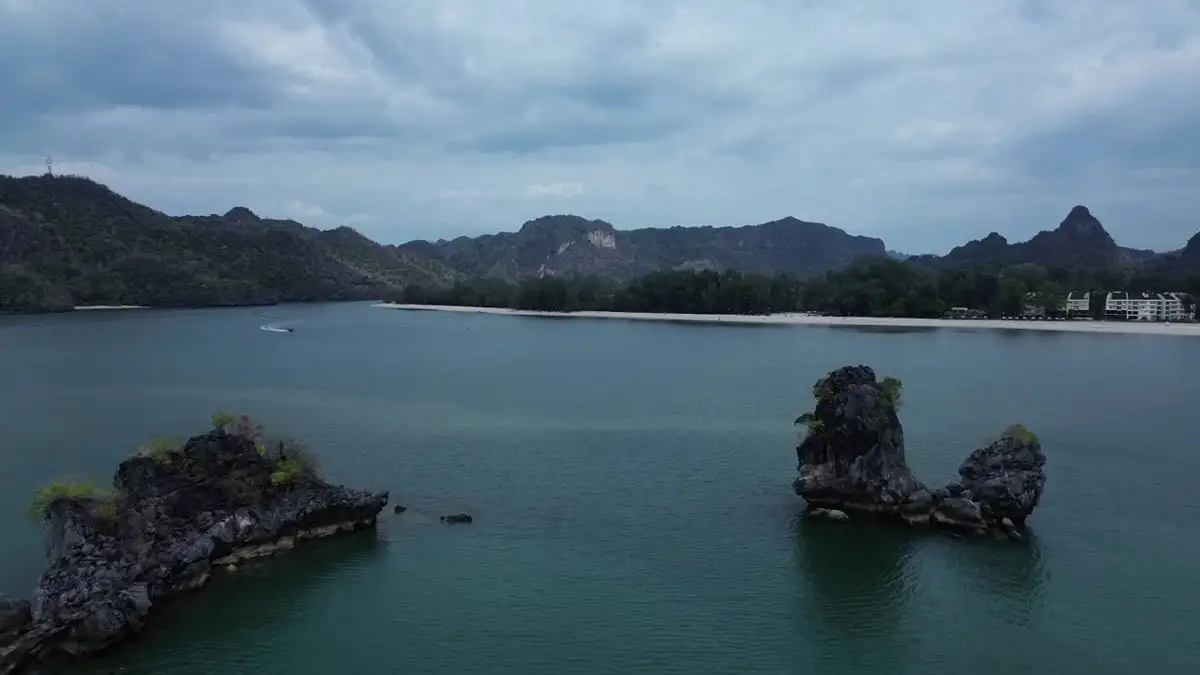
630	488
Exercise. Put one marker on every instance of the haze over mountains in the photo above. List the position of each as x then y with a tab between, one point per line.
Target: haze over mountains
67	241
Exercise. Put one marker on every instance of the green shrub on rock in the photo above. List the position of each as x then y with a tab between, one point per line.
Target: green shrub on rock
161	449
221	420
893	390
294	462
1020	433
106	504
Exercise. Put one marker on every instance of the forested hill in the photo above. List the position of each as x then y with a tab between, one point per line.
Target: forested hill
1079	242
871	286
67	241
568	245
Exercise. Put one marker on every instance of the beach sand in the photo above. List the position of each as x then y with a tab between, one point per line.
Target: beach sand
1118	327
80	308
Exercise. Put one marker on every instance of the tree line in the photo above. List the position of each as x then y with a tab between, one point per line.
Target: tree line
872	286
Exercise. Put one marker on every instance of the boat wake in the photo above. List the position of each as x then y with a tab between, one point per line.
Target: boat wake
280	327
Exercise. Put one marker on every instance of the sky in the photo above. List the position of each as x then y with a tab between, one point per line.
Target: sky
924	123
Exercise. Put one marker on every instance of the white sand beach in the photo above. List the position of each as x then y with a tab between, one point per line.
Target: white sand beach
81	308
1120	327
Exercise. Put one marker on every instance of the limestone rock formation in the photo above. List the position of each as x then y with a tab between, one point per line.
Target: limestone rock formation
1006	479
853	456
852	459
174	517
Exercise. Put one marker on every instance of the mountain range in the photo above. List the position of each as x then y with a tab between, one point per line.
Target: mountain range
567	244
67	241
1079	241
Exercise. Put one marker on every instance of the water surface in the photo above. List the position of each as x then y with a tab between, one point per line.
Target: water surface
630	486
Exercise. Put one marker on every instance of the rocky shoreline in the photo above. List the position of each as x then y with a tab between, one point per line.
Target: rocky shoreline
852	460
173	517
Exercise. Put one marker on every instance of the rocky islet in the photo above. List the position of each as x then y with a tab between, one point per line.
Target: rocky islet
222	497
852	459
173	517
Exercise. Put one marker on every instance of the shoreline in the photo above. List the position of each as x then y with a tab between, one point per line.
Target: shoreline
797	319
88	308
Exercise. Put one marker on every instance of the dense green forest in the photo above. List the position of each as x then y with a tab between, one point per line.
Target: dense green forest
873	286
67	241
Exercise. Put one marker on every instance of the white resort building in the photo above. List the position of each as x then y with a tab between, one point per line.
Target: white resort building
1075	306
1123	306
1078	305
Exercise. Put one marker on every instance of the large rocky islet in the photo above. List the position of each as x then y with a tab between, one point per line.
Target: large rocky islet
177	513
852	460
174	516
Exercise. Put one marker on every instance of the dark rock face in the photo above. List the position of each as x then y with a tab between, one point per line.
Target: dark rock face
853	460
1006	476
216	501
15	616
853	457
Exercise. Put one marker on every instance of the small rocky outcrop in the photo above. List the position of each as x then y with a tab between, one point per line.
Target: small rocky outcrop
1004	481
852	459
173	517
457	518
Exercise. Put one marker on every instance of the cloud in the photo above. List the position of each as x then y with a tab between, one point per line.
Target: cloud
562	189
925	123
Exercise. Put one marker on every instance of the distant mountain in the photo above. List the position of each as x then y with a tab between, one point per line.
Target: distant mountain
567	244
68	241
1079	241
1183	262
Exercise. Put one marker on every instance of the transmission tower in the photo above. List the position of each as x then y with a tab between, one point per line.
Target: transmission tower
49	166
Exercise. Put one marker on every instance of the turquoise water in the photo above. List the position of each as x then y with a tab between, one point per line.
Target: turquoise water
630	486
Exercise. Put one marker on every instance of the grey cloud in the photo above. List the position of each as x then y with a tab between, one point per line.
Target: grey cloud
869	115
1119	139
84	56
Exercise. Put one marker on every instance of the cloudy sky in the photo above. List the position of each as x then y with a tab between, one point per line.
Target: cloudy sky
926	123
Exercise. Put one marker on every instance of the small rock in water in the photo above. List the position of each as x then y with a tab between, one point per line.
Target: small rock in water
400	509
827	514
456	518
